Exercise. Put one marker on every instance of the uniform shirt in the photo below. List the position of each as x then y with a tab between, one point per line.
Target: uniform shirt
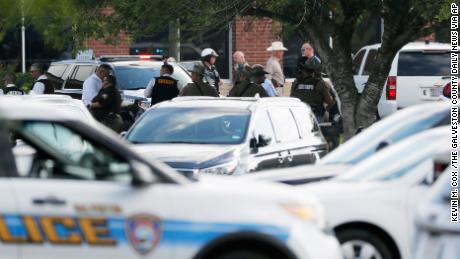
12	89
211	76
110	100
269	88
275	71
39	87
247	89
91	88
198	89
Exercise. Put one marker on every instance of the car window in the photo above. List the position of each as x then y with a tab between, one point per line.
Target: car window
392	129
424	64
73	156
263	126
191	125
83	72
307	124
370	60
357	59
284	125
138	77
57	70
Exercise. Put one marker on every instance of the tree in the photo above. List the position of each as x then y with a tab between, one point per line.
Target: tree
405	21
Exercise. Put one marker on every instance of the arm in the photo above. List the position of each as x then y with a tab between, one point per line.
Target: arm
89	92
38	88
149	89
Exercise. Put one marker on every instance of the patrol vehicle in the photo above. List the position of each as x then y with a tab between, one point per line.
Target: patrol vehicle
89	196
133	73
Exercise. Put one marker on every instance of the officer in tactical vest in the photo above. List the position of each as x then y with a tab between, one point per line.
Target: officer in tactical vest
10	87
164	87
246	88
311	88
42	84
198	87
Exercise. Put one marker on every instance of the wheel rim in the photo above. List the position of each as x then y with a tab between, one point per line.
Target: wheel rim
359	249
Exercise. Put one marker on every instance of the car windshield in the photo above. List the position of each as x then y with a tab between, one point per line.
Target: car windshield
388	165
391	130
191	125
131	77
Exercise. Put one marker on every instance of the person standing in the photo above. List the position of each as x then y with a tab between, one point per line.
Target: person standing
311	89
309	52
259	77
240	63
274	69
246	88
10	87
106	105
211	75
164	87
93	83
198	87
42	84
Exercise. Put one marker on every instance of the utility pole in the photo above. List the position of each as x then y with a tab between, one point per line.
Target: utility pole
23	38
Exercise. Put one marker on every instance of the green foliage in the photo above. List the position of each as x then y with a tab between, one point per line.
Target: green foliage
23	81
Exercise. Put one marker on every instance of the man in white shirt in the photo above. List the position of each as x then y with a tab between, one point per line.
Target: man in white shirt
42	85
93	84
274	68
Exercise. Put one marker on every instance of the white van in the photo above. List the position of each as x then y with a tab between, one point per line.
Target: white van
419	72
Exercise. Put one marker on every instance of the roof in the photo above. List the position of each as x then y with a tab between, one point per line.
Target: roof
26	107
230	102
418	46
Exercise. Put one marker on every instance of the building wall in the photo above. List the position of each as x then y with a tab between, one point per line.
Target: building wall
119	47
253	36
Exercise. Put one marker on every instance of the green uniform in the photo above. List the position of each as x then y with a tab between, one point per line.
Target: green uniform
247	89
198	89
312	91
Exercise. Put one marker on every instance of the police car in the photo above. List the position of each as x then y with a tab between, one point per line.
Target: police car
87	195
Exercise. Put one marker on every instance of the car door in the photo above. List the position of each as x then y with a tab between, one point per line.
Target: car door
78	200
74	84
9	242
358	59
312	145
286	133
266	156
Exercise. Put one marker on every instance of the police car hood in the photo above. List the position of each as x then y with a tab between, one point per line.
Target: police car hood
190	156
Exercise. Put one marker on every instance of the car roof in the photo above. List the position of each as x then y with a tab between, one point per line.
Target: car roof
24	107
248	103
417	46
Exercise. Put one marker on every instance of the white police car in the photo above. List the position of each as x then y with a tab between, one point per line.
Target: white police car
89	196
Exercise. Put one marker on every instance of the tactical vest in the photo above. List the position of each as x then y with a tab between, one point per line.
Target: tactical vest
14	90
165	89
49	88
309	91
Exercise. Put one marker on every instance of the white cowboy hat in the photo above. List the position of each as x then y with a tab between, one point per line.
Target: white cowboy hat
277	45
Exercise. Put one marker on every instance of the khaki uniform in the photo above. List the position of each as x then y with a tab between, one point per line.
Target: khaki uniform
247	89
198	89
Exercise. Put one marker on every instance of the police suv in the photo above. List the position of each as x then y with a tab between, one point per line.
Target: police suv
133	73
87	195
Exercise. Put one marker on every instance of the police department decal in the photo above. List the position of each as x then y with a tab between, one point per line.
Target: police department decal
144	232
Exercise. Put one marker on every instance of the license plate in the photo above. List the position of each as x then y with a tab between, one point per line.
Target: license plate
432	92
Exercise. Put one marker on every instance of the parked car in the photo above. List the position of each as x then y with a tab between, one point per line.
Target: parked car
384	133
437	236
371	206
88	195
133	73
414	77
229	136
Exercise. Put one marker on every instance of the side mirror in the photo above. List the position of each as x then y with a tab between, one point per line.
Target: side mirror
123	134
382	145
142	174
263	141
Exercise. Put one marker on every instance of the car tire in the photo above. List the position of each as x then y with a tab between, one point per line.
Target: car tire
242	254
354	242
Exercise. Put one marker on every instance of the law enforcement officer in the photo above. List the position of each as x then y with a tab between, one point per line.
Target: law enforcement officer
106	106
10	87
164	87
311	88
259	77
198	87
42	84
211	75
246	88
